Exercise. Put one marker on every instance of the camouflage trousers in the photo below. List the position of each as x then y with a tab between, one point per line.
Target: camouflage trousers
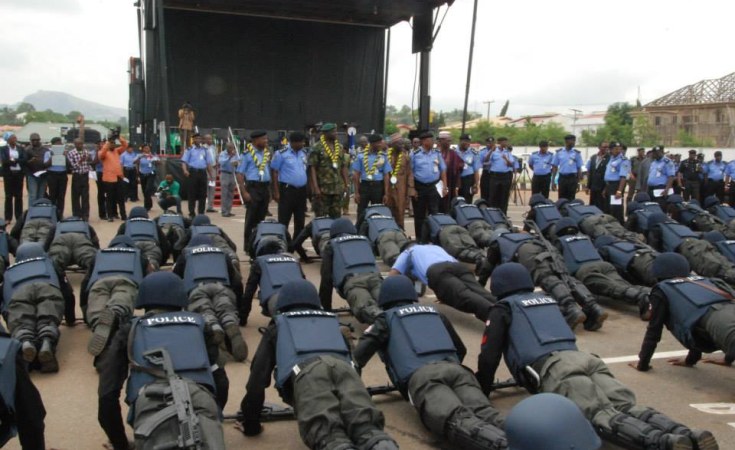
116	292
705	260
390	244
151	251
215	302
330	205
34	312
601	278
362	292
72	248
35	230
458	243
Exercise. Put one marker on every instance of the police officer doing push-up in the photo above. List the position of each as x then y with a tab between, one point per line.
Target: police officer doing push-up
386	236
453	283
201	224
109	289
318	231
633	261
443	230
273	268
698	311
146	234
72	241
314	372
348	264
35	295
540	351
173	226
474	219
213	290
175	390
36	223
423	353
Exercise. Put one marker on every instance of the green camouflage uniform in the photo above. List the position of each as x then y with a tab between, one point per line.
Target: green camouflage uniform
329	180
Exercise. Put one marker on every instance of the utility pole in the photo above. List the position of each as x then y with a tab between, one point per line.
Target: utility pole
488	103
469	68
574	124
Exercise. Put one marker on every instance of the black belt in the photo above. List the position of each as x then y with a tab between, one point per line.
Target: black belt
547	175
567	175
258	183
659	186
197	170
498	174
225	171
290	186
371	181
418	183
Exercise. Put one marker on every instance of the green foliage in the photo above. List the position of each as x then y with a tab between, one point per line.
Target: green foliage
688	140
644	133
504	109
24	108
618	126
44	116
440	118
530	134
390	127
72	116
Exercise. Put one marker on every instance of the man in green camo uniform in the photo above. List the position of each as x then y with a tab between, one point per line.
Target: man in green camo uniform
328	164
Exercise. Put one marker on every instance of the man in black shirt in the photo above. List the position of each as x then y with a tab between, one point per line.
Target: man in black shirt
689	176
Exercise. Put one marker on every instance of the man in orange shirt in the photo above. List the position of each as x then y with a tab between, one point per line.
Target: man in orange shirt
112	174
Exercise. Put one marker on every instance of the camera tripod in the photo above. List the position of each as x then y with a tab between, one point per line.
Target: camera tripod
517	193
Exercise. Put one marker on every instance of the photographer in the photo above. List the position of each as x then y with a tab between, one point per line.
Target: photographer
112	174
168	194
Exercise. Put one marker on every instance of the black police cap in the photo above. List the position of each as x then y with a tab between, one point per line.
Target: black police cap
465	137
426	135
257	134
569	137
373	138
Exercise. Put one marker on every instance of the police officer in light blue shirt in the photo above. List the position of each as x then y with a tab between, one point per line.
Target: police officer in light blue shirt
616	177
371	174
127	161
227	161
541	163
57	179
470	176
660	176
289	181
428	169
567	163
714	177
485	164
196	160
254	178
502	164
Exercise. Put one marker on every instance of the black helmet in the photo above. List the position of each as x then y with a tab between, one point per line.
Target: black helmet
270	245
162	289
481	202
670	265
642	197
561	203
657	218
138	212
458	201
29	250
576	201
714	236
633	207
537	199
42	202
510	278
297	293
341	226
566	226
711	201
122	241
201	219
396	289
604	241
200	239
674	199
549	422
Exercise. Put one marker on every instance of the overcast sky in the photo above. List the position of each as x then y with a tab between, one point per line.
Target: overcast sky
541	55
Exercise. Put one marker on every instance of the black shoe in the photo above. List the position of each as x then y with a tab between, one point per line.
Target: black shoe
574	317
47	358
595	318
102	331
28	349
110	219
703	440
211	210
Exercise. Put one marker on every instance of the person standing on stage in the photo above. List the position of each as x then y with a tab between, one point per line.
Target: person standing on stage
227	163
371	175
186	123
540	163
196	161
470	177
11	155
485	161
568	164
254	178
289	182
329	166
502	164
428	169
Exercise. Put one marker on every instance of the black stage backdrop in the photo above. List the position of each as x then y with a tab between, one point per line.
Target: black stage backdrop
254	72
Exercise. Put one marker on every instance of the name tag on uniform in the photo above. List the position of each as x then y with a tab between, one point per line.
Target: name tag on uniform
370	178
571	162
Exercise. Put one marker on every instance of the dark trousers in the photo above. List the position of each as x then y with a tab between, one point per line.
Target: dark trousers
13	183
57	182
598	199
485	185
148	188
80	195
102	198
614	210
465	187
540	185
715	187
568	186
500	183
457	287
131	191
292	203
260	196
660	200
427	202
115	197
371	193
691	191
197	191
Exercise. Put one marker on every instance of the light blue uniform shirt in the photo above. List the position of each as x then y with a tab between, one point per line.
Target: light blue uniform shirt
472	161
225	162
146	164
416	261
567	161
497	162
427	166
541	163
127	159
730	169
291	166
249	168
483	153
377	161
715	171
197	157
618	167
660	171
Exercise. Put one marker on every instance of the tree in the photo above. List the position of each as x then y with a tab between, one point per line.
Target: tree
44	116
618	126
504	109
72	116
24	108
686	139
390	127
644	133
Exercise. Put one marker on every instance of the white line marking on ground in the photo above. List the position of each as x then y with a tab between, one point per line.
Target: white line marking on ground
732	424
715	408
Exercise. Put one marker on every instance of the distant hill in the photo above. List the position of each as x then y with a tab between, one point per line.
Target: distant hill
64	103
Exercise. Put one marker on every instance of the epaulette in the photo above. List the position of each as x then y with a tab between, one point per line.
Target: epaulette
475	151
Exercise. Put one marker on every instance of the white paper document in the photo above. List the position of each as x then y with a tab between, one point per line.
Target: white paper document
93	175
39	173
616	201
440	188
212	183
